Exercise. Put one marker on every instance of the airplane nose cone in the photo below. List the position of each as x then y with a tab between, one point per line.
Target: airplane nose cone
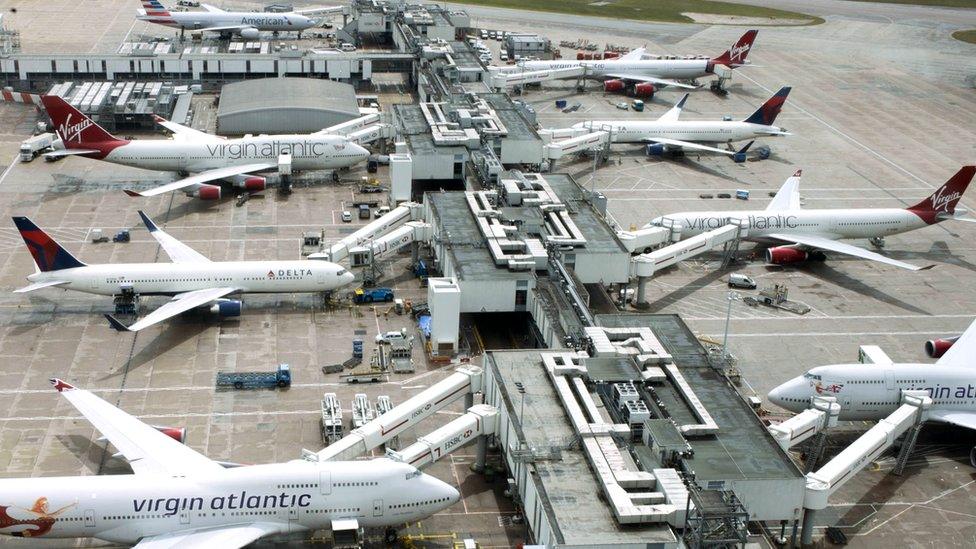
362	153
348	278
776	395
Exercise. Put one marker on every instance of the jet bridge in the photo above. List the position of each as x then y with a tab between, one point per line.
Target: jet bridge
821	416
588	141
395	218
503	78
464	381
362	130
908	418
480	420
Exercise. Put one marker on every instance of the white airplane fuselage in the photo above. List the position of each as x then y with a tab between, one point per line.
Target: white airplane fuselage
174	278
308	152
872	392
202	20
672	69
692	130
830	223
297	496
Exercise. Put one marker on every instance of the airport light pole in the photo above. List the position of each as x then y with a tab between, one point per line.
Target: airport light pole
733	296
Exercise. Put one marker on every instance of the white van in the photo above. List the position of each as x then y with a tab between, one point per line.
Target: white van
346	46
737	280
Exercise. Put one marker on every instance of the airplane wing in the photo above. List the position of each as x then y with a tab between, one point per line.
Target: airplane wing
788	196
653	80
211	9
227	28
229	536
179	304
688	145
185	133
822	243
204	177
674	112
963	351
61	153
39	285
177	251
959	419
147	450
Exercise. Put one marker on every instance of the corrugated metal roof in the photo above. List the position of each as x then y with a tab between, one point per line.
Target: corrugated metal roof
277	93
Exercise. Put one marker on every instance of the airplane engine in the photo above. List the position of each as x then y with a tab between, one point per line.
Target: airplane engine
644	89
176	433
250	34
785	255
227	308
207	192
935	348
614	86
255	183
656	149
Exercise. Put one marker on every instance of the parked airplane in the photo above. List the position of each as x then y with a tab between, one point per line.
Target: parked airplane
178	497
667	132
247	24
873	391
808	231
644	76
191	279
209	157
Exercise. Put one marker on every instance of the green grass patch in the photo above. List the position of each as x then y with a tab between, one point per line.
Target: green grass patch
966	36
647	10
939	3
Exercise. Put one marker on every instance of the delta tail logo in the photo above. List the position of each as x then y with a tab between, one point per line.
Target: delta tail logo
38	522
72	132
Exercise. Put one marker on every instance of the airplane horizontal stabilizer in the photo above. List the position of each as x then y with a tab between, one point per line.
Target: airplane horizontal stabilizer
39	285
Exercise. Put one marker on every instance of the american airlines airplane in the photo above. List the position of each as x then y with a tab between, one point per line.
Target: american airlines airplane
209	157
247	24
806	232
178	497
643	76
193	281
873	391
667	132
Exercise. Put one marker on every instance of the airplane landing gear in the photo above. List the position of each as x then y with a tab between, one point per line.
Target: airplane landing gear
390	537
878	242
335	176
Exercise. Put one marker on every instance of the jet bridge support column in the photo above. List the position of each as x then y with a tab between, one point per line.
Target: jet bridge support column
829	478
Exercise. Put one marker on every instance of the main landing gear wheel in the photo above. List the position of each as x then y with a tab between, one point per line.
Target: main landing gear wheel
878	242
390	536
335	177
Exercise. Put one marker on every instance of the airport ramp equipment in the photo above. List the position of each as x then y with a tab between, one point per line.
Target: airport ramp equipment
465	380
408	211
822	415
480	420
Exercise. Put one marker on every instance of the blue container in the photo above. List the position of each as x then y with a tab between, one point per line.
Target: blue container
742	195
560	103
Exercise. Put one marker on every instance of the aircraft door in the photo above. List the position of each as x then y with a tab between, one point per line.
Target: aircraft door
320	277
89	518
292	519
377	508
890	380
184	517
325	482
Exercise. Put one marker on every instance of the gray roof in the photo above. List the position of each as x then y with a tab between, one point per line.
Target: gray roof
288	93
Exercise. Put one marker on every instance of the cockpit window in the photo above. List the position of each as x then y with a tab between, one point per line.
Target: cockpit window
413	474
341	272
808	375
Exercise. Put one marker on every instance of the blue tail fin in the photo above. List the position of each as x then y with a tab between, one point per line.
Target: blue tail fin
766	114
48	254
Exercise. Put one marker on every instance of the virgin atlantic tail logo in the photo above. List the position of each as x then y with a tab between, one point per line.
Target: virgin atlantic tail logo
72	132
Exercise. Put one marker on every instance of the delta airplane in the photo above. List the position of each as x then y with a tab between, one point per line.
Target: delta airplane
873	391
667	132
808	231
247	25
177	497
191	279
209	157
643	76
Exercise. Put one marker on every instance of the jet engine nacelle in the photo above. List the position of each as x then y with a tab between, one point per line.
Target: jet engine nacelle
644	89
614	86
226	308
176	433
656	149
935	348
784	255
250	33
255	183
207	192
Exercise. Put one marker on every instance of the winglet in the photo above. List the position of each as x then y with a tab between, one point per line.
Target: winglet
130	192
114	323
798	173
681	103
746	148
62	385
149	222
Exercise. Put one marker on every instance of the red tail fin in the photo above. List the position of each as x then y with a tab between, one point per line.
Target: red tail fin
943	201
76	130
736	55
